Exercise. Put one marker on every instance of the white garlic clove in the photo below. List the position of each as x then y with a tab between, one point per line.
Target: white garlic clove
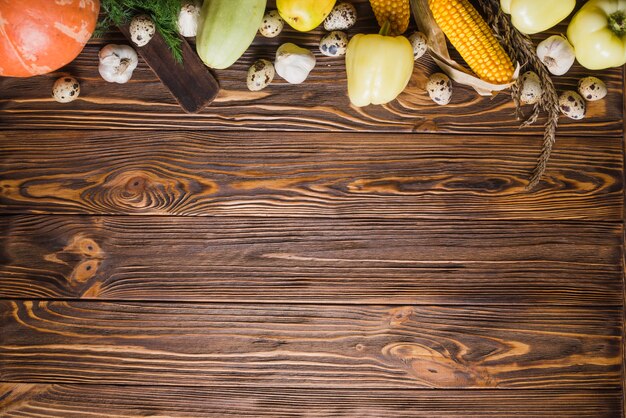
117	63
420	44
260	75
439	88
572	105
342	17
141	29
294	63
188	18
557	54
272	24
531	90
592	89
334	44
66	89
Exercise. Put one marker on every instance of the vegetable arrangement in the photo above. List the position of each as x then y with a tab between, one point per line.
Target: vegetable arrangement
379	65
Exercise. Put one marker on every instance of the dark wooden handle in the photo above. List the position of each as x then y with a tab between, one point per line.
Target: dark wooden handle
191	82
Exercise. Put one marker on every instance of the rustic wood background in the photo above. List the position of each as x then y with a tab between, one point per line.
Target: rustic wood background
285	254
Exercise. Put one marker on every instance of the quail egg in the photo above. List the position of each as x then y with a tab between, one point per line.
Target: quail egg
592	89
65	89
420	44
334	44
439	88
572	105
141	29
272	24
260	75
531	90
342	17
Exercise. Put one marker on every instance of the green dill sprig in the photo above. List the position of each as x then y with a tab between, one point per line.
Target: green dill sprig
164	13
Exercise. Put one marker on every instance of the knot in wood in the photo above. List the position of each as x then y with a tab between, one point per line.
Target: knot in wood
398	316
85	271
136	185
142	191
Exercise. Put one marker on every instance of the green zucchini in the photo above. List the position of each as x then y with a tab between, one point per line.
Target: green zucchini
226	29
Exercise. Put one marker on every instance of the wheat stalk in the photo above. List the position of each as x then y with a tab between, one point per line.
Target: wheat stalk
522	49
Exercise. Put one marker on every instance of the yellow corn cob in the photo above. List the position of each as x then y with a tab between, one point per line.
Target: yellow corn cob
470	35
396	12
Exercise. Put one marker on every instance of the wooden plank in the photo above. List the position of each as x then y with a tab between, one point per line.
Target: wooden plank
624	277
310	260
322	175
190	81
320	104
69	401
365	346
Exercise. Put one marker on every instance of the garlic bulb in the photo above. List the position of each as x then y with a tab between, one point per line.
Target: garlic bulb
557	54
294	63
188	18
117	63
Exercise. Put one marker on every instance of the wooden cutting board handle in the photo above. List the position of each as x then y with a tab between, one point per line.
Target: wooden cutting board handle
191	83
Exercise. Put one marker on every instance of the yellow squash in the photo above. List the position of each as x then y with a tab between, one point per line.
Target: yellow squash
379	67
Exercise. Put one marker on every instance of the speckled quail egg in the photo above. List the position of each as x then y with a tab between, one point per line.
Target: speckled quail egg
420	44
572	105
334	44
439	88
272	24
260	75
342	17
531	90
66	89
141	29
592	89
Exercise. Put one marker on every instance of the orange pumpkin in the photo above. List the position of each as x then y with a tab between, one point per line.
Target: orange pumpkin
39	36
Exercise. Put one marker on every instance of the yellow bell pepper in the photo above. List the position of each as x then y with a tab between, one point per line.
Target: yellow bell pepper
533	16
598	34
379	67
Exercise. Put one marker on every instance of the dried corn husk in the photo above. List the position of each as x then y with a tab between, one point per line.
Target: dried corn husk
439	52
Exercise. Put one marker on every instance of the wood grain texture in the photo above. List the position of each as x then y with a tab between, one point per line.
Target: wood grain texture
624	277
310	260
321	175
319	104
78	401
365	346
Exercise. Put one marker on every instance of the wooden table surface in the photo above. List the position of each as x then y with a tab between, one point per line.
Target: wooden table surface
285	254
